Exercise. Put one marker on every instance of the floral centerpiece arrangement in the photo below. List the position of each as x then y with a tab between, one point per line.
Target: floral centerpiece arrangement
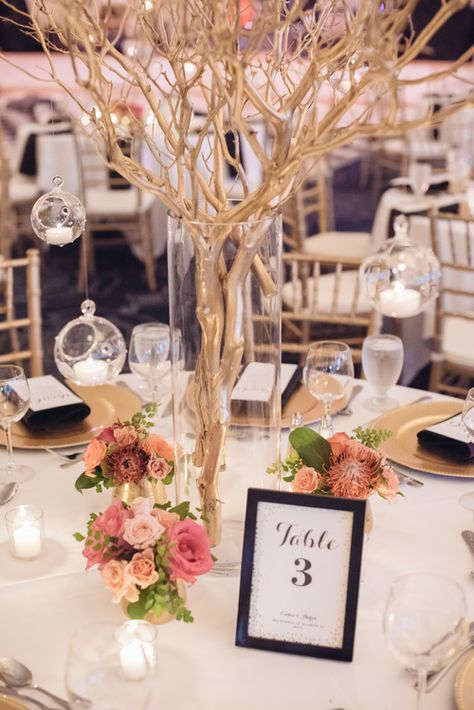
343	466
143	551
127	453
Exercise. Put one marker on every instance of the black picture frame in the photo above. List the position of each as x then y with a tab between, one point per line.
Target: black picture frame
285	642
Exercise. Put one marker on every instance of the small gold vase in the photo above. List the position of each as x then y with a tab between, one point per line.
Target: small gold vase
165	617
127	492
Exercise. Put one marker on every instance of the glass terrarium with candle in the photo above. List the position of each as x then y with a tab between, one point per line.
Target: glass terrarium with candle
58	217
89	350
402	278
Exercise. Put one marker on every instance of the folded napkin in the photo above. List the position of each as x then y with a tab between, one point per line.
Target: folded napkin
447	438
53	404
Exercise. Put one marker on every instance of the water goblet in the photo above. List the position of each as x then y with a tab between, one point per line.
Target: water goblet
111	667
382	362
425	623
328	374
14	403
149	354
420	176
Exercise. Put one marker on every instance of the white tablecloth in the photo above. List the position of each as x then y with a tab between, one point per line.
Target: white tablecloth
43	602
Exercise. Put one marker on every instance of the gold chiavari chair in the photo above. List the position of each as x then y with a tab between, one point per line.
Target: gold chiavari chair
322	299
23	349
453	356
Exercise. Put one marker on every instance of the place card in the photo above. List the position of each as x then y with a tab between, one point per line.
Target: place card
300	574
448	438
256	382
52	403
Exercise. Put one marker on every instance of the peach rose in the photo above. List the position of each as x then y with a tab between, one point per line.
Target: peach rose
113	574
142	531
190	550
306	480
94	454
165	517
390	487
125	435
341	443
158	468
141	571
157	445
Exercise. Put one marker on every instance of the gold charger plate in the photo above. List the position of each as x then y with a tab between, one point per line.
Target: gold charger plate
301	400
403	447
7	703
464	685
107	403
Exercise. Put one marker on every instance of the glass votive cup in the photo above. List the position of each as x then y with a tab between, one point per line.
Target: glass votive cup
25	531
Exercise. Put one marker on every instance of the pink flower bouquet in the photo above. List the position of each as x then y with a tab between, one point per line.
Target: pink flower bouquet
127	453
142	551
342	466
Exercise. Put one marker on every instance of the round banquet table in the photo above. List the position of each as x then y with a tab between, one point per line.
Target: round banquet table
42	602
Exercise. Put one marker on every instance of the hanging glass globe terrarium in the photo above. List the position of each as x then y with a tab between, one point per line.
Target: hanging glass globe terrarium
58	217
402	278
89	350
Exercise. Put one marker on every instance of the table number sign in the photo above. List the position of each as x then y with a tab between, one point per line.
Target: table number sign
300	574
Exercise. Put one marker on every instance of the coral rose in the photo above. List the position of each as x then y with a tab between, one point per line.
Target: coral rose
390	487
341	443
142	531
116	581
112	520
190	550
125	435
141	569
306	480
107	435
94	454
157	445
158	468
165	517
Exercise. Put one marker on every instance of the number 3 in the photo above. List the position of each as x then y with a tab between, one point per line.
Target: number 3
307	578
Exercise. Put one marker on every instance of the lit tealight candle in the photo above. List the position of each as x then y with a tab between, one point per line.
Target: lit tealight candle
133	661
91	372
400	302
27	541
59	235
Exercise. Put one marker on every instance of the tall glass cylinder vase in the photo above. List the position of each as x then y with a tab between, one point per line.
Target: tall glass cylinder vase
225	305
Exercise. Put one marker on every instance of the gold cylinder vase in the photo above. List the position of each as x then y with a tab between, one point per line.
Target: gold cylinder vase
127	492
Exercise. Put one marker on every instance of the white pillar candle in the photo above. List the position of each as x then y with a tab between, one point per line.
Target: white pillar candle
133	661
27	541
91	372
400	302
59	235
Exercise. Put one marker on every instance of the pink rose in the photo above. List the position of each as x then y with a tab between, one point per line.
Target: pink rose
306	480
125	435
157	445
190	550
141	506
107	435
142	531
115	581
141	571
94	557
94	454
158	468
165	517
112	520
389	488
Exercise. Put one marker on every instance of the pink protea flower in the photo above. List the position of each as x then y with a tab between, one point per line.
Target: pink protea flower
350	477
127	464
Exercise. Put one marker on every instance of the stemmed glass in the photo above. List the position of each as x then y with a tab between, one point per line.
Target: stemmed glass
382	362
111	667
328	374
420	175
14	403
148	355
425	623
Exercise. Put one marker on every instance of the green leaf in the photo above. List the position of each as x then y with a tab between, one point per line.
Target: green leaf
311	447
138	609
84	482
78	536
182	509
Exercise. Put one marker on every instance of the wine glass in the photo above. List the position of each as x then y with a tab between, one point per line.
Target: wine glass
420	176
328	374
382	362
149	354
111	667
14	403
425	623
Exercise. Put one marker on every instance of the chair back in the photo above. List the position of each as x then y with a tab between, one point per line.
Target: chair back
11	321
308	211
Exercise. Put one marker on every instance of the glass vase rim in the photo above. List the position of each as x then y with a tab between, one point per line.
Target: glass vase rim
195	222
17	369
30	513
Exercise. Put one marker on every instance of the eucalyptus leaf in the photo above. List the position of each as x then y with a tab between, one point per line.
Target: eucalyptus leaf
311	447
